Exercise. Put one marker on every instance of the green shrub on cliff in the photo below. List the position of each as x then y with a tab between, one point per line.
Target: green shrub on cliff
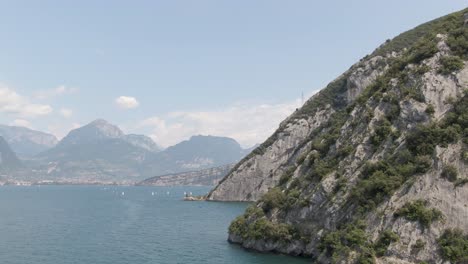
454	246
274	198
385	239
450	64
450	173
418	211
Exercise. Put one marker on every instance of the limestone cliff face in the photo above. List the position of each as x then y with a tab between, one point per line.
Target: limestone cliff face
373	169
262	170
205	177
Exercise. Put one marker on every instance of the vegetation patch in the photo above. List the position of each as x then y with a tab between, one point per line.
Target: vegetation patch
418	211
450	64
418	246
337	244
383	128
274	198
386	238
454	246
286	176
450	173
430	110
353	237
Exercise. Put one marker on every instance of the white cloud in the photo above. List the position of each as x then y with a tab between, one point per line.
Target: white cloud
126	102
50	93
248	124
15	104
21	123
66	112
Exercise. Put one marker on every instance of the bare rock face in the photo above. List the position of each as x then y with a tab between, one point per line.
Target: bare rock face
26	142
374	168
248	182
204	177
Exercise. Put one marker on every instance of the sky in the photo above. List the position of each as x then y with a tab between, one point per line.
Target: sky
173	69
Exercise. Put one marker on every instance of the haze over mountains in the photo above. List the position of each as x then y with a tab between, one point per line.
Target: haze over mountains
8	159
26	142
100	152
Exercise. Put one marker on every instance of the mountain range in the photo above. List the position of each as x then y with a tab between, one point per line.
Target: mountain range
26	142
100	152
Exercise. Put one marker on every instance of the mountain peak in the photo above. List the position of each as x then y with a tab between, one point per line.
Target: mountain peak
98	129
105	128
99	122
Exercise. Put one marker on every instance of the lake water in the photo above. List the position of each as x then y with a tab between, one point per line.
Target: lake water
97	224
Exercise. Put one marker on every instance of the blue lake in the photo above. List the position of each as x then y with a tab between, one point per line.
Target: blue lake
98	224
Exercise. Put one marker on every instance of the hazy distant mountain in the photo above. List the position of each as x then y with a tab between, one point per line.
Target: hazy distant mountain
8	158
101	152
142	142
199	152
26	142
97	141
95	131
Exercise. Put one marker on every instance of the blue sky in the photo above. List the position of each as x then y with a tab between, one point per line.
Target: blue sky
226	68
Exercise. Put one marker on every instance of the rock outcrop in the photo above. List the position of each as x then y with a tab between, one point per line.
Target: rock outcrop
205	177
373	168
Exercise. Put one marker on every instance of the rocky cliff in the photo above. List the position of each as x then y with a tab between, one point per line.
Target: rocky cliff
374	167
204	177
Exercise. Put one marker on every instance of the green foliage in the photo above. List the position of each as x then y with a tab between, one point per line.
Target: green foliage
254	211
424	139
458	41
386	238
341	183
451	24
345	151
450	173
461	182
286	176
418	211
301	159
454	246
238	226
321	168
326	96
413	92
351	236
378	180
292	197
450	64
424	48
383	129
430	109
418	245
366	256
254	225
465	156
266	230
274	198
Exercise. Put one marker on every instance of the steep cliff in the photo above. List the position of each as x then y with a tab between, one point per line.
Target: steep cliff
204	177
374	167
